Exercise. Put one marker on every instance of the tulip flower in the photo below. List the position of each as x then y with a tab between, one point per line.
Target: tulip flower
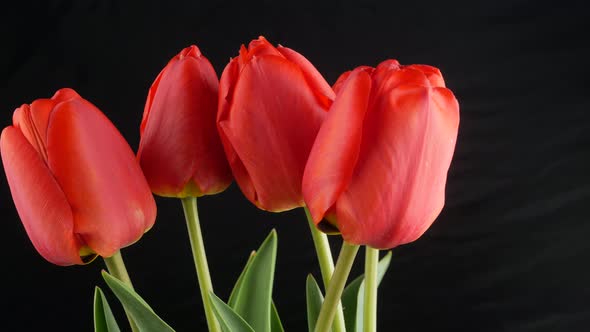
75	182
378	168
180	151
272	102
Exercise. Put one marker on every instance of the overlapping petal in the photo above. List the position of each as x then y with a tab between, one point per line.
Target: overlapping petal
39	200
335	152
316	81
271	129
112	206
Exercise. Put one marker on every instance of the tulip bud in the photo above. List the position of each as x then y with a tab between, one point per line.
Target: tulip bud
378	168
180	151
272	102
74	180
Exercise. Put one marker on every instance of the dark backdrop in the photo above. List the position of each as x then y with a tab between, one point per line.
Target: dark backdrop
510	251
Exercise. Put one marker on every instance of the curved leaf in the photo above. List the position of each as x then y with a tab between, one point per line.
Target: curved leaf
229	320
253	297
275	320
104	320
314	299
143	315
232	297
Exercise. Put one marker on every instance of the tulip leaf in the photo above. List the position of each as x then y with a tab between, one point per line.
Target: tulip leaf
229	320
232	297
143	315
252	299
354	294
104	320
275	320
314	298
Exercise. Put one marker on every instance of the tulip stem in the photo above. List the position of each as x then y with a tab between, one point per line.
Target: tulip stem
336	286
326	262
370	305
189	205
117	269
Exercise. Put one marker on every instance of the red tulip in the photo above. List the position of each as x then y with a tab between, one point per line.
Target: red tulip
272	102
180	151
378	168
74	179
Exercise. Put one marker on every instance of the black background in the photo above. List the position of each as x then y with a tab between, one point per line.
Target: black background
510	251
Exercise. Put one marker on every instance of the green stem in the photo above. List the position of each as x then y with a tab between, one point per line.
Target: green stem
322	248
336	286
189	205
370	309
117	269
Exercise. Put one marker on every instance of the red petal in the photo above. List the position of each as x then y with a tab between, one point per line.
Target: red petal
32	120
336	148
24	121
397	189
344	76
387	65
180	143
432	73
40	111
273	120
41	204
260	47
149	101
96	169
340	81
65	94
192	51
257	48
227	83
315	80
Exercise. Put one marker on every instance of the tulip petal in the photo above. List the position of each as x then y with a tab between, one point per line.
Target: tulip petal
390	79
41	204
34	132
180	142
398	185
149	101
336	148
273	120
111	202
340	81
226	90
259	47
344	76
432	73
65	94
316	81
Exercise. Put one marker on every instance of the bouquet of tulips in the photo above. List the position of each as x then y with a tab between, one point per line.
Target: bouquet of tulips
367	159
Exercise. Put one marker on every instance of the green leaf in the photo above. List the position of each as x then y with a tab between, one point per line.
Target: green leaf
104	320
275	320
253	296
314	298
229	320
143	315
353	297
232	297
